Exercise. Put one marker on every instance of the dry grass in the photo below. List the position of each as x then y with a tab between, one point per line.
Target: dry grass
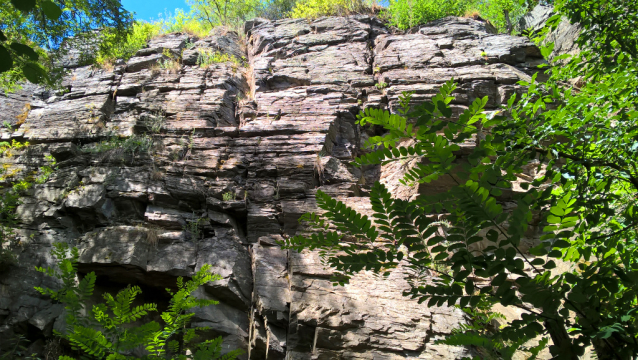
169	66
157	175
24	114
318	166
249	74
152	237
107	65
53	349
472	14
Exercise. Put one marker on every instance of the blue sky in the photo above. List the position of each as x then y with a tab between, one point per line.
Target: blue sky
149	10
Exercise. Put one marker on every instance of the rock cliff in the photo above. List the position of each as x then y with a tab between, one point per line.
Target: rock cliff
161	171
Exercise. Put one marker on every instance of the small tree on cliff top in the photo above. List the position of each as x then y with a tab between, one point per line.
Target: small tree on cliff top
584	198
32	30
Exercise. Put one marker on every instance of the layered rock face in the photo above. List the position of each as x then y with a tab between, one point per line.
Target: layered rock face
164	169
564	36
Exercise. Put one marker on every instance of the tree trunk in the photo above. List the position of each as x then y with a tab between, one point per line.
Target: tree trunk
561	340
610	349
507	21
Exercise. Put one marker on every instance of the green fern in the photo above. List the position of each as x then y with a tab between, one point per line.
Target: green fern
107	331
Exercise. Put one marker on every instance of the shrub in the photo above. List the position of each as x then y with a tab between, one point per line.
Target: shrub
275	9
185	23
494	11
313	9
405	14
168	65
223	12
229	196
136	144
208	57
193	227
111	48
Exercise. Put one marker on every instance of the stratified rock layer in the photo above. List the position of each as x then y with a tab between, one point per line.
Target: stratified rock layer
162	171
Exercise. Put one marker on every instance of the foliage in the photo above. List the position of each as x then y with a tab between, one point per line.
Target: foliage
499	12
193	227
208	57
132	145
47	170
7	148
18	350
482	333
223	12
112	48
405	14
313	9
107	330
583	143
229	196
155	121
9	201
169	65
275	9
381	85
609	35
32	34
184	22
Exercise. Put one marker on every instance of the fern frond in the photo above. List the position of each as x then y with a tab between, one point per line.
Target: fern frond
465	339
345	218
384	156
87	286
91	341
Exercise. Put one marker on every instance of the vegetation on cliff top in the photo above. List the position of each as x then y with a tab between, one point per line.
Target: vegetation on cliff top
33	33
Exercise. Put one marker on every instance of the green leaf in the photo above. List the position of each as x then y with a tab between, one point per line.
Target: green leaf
444	109
499	279
51	10
6	63
538	261
25	50
555	253
23	5
469	287
561	244
607	331
547	50
34	73
550	265
492	235
553	219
